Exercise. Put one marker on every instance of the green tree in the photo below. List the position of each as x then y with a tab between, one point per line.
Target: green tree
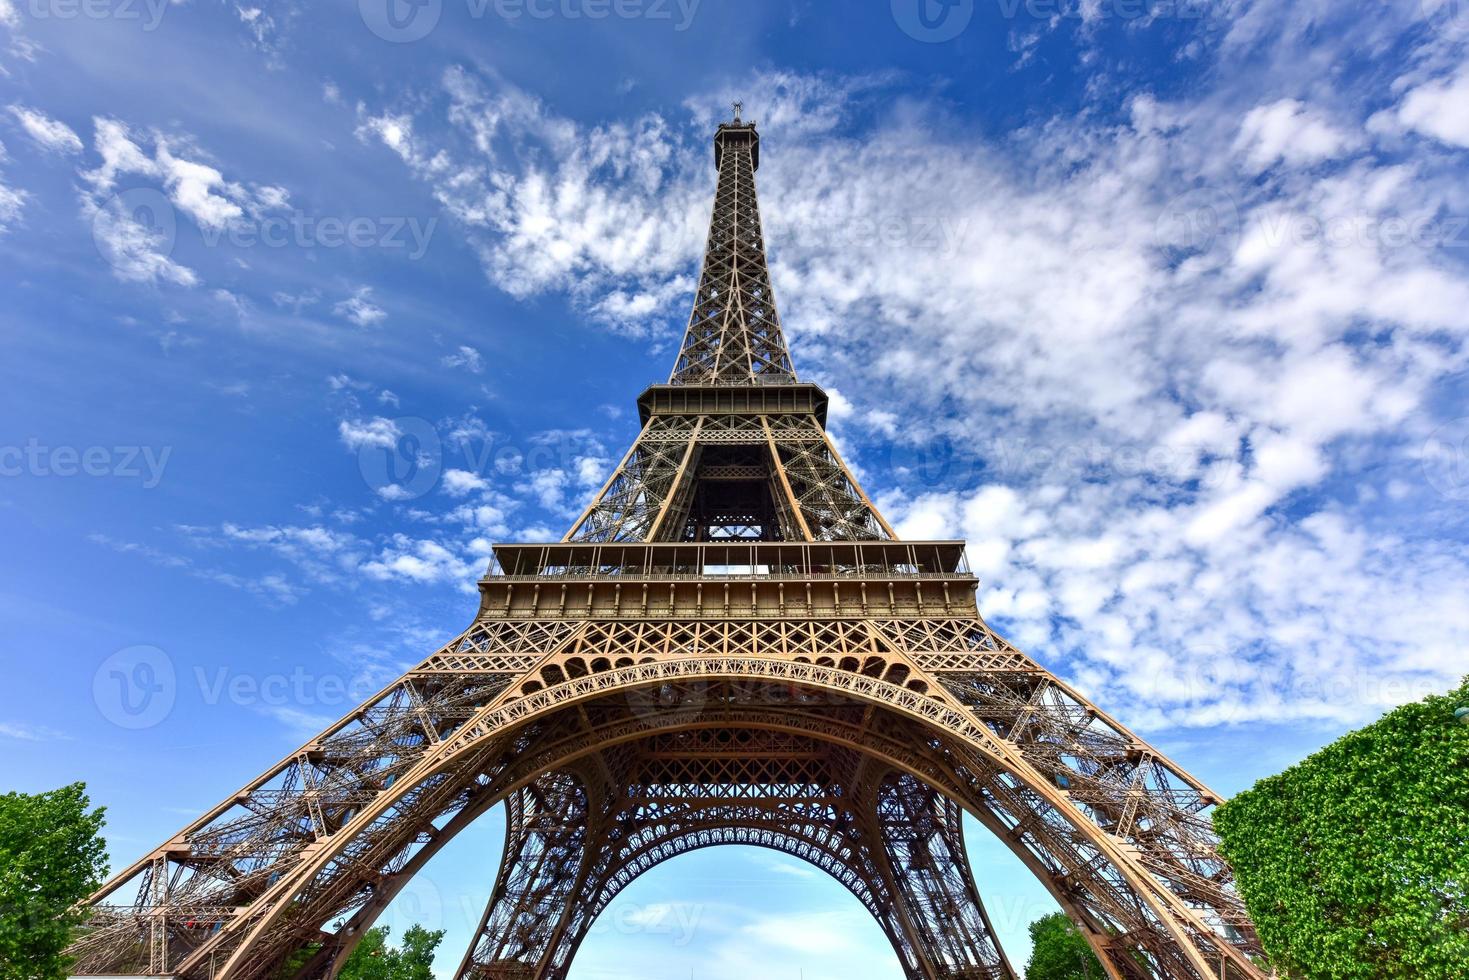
374	959
1354	864
51	857
1058	951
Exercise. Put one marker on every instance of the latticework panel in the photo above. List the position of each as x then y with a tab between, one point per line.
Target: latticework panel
734	334
938	644
159	912
922	836
1121	783
632	505
786	464
834	507
545	846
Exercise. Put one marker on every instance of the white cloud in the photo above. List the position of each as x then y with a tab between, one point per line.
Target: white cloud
175	180
465	357
1439	109
360	309
272	587
378	433
458	483
12	203
1289	131
120	155
346	383
421	560
194	188
810	933
323	555
135	247
592	470
49	134
583	222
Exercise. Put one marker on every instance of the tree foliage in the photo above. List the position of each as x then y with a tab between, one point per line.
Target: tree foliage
1355	863
374	959
1058	951
51	857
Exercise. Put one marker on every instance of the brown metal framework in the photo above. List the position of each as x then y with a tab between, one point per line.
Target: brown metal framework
729	646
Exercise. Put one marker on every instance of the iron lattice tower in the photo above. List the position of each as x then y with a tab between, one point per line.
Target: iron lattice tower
729	646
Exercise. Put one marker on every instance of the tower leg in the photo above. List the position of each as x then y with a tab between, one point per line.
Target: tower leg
922	852
547	830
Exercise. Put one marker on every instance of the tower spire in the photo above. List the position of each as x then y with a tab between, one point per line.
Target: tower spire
734	335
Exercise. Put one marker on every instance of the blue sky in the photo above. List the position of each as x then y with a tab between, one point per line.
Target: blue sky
1162	306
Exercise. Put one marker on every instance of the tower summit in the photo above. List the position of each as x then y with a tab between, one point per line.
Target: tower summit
729	646
733	447
734	334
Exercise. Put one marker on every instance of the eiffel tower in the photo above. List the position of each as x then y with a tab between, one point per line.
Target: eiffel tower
730	646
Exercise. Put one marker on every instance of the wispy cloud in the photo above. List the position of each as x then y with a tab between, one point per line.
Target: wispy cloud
26	732
360	308
465	357
49	134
